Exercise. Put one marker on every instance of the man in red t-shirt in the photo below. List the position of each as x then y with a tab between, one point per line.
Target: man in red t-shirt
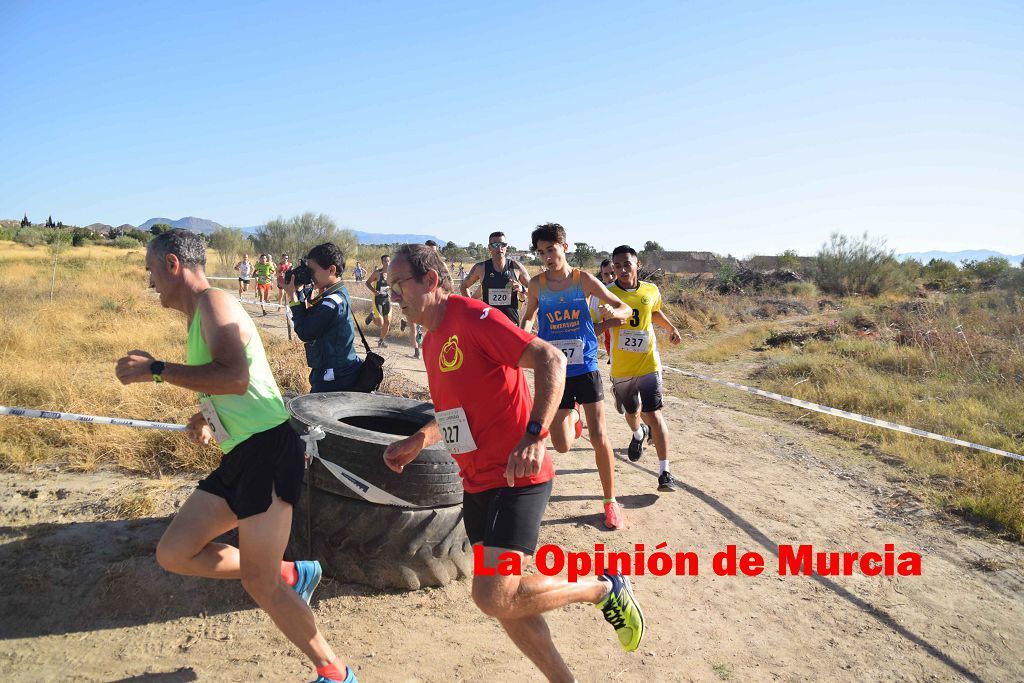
486	417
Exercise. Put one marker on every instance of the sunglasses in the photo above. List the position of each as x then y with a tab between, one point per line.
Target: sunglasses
396	286
498	245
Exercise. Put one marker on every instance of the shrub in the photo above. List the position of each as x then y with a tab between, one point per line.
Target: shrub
125	242
848	265
992	267
30	237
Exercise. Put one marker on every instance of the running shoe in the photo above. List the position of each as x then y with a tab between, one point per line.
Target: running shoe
579	421
309	572
636	446
622	611
613	517
403	325
666	482
369	319
351	678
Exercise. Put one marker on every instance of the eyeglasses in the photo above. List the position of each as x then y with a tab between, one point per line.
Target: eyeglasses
498	245
396	286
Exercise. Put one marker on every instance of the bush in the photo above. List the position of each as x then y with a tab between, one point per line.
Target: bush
992	267
125	242
7	233
81	236
862	265
30	237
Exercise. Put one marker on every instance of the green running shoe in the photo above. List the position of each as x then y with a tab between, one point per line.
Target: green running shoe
622	611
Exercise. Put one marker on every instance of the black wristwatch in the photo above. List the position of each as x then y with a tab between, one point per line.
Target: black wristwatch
534	428
156	368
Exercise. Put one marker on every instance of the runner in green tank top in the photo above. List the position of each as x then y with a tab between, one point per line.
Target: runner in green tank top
260	476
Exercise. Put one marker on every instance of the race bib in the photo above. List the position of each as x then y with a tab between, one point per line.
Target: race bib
210	413
455	431
572	348
499	297
634	341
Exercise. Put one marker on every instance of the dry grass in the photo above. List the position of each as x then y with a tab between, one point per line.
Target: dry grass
61	355
953	367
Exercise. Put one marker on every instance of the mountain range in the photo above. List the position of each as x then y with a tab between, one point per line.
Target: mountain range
958	256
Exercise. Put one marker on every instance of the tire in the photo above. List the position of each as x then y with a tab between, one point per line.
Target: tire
379	545
359	428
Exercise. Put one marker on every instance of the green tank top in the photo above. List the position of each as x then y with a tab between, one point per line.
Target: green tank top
260	408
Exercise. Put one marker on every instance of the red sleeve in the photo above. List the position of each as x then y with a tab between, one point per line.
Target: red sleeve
495	335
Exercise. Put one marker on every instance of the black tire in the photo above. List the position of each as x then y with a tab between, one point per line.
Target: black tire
379	545
359	427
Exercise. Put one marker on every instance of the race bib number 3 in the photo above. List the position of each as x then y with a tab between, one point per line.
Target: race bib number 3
210	413
499	297
572	348
634	341
455	431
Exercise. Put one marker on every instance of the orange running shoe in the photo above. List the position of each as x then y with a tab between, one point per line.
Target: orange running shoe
613	516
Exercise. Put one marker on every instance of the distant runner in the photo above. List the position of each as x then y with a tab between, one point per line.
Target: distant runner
283	266
607	276
495	432
260	474
244	268
560	294
636	363
378	284
504	282
264	278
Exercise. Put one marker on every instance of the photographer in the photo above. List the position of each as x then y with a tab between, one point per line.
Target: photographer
326	326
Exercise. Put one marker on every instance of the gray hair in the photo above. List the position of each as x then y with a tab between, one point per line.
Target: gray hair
185	244
423	259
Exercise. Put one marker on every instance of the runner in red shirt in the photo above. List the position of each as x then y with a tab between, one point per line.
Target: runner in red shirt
474	357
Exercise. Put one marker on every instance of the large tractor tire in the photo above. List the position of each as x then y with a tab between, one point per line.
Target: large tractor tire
380	545
359	428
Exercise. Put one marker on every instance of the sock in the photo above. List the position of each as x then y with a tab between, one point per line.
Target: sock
289	573
332	671
609	500
662	466
639	433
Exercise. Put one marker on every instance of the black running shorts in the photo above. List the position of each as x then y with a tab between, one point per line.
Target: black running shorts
265	463
585	388
507	517
382	304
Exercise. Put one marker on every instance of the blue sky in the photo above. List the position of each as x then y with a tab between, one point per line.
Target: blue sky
732	127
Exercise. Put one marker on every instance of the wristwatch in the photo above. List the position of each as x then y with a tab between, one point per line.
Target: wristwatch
156	368
534	428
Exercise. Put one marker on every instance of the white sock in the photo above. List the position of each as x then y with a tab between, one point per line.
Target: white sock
639	433
662	466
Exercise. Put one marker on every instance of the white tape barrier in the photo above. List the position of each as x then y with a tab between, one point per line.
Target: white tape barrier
360	486
91	419
856	417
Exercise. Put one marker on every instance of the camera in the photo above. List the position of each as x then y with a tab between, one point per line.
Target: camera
300	275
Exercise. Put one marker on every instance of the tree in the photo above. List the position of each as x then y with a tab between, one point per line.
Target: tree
584	255
58	242
651	245
789	260
230	244
50	223
158	228
298	234
25	222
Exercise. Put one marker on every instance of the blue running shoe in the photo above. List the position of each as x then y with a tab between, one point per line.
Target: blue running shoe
309	578
351	678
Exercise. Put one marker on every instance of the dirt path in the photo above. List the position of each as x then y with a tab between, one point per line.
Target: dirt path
83	596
